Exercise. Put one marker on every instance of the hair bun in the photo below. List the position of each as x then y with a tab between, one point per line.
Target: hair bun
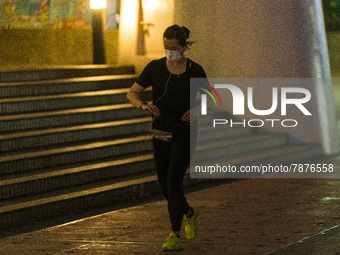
186	31
181	34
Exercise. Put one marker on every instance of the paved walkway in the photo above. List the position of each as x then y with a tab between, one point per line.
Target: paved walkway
255	216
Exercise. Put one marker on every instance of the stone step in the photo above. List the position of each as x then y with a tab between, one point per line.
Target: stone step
13	184
41	158
76	200
280	155
65	101
207	133
84	198
12	74
65	86
70	117
55	179
242	144
15	141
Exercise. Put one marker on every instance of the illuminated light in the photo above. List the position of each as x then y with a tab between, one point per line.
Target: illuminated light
98	4
129	14
150	4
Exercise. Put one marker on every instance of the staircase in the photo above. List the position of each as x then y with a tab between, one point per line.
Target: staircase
71	142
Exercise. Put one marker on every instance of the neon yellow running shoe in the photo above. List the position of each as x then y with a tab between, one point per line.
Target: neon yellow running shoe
190	224
172	243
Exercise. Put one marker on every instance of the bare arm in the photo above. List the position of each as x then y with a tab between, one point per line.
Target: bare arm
134	96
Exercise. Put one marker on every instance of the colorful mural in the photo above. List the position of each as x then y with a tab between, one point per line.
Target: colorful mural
53	14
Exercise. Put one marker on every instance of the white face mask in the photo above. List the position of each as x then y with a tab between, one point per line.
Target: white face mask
172	55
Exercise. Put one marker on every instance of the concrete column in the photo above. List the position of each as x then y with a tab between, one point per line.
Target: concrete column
266	39
140	30
98	37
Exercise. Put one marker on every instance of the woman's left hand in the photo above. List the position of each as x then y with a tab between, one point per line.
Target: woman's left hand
190	116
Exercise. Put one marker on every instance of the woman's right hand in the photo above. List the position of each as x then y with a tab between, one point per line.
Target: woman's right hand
151	108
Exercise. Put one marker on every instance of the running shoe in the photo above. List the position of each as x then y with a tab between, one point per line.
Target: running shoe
190	224
172	243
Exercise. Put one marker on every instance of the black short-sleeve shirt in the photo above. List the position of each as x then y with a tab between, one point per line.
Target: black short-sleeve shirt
171	92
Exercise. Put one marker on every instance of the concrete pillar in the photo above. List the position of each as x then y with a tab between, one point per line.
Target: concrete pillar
266	39
98	37
140	30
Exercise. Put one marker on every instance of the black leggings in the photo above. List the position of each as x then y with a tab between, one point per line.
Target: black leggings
172	160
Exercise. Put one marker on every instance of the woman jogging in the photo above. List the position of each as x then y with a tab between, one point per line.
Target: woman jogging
172	121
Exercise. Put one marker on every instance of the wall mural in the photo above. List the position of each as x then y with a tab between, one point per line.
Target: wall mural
51	14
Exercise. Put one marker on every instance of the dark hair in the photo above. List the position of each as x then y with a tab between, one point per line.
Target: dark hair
181	34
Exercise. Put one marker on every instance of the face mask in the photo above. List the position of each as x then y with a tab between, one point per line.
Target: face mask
173	55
